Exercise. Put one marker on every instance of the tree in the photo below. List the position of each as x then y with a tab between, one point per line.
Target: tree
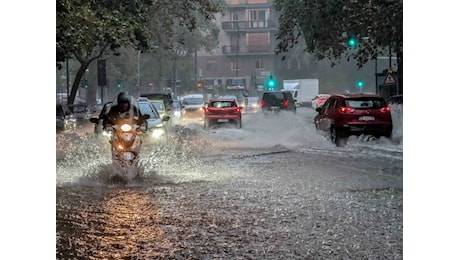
327	26
88	30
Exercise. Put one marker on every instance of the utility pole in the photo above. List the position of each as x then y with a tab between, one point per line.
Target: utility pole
237	48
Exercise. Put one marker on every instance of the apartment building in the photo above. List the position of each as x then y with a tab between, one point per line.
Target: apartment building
245	58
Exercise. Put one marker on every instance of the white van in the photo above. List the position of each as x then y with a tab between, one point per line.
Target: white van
193	106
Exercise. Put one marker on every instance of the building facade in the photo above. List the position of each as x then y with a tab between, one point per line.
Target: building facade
246	56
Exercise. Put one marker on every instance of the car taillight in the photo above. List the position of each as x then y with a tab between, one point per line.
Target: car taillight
206	110
346	110
238	110
384	109
286	103
320	101
262	103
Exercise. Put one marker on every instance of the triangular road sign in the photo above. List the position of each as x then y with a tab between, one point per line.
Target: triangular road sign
390	80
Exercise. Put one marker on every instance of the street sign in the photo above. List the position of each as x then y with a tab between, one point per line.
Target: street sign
265	73
245	93
390	80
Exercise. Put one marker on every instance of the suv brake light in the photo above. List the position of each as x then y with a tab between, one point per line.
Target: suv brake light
346	110
262	103
384	109
286	103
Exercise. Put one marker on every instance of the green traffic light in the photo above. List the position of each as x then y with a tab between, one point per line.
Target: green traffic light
360	84
352	42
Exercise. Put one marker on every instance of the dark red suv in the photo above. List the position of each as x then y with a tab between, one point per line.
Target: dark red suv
354	114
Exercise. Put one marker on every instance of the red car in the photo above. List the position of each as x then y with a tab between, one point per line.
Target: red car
319	100
222	110
354	114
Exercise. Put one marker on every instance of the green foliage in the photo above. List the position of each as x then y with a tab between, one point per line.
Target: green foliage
327	25
87	30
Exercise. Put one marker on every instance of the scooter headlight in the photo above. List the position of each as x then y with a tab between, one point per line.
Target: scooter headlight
126	127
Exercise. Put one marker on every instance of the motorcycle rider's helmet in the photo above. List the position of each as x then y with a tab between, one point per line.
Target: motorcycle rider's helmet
123	97
123	100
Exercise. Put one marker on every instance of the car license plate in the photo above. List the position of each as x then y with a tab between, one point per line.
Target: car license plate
275	108
366	118
222	120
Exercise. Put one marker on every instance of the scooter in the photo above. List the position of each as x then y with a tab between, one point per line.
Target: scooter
126	142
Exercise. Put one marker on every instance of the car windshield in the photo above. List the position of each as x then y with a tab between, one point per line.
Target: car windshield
193	101
159	106
147	109
365	103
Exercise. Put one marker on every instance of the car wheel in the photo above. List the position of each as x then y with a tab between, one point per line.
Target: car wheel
207	123
238	123
338	137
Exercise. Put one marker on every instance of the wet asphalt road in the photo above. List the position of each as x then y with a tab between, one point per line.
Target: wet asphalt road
224	194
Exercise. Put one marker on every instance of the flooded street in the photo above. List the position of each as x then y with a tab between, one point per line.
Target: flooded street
274	189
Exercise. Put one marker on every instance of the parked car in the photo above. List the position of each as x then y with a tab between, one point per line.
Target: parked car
319	100
82	112
344	115
156	125
65	119
276	101
395	100
193	106
222	111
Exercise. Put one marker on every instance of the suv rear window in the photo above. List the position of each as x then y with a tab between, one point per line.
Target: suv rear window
365	103
275	96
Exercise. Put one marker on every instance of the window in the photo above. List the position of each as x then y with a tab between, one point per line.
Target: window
260	64
258	18
234	64
211	64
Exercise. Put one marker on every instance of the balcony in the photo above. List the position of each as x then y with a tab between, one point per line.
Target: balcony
242	26
247	49
249	3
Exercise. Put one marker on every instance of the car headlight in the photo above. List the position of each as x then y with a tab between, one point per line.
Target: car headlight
107	133
158	132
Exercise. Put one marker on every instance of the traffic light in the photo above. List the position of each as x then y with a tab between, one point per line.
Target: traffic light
271	83
352	42
119	84
360	84
84	83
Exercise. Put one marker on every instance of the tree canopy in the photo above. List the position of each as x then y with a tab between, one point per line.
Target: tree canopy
328	25
87	30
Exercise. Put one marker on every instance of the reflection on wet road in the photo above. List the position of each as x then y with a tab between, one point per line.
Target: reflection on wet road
115	224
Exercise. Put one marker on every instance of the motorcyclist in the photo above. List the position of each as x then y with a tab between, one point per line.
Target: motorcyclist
123	109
